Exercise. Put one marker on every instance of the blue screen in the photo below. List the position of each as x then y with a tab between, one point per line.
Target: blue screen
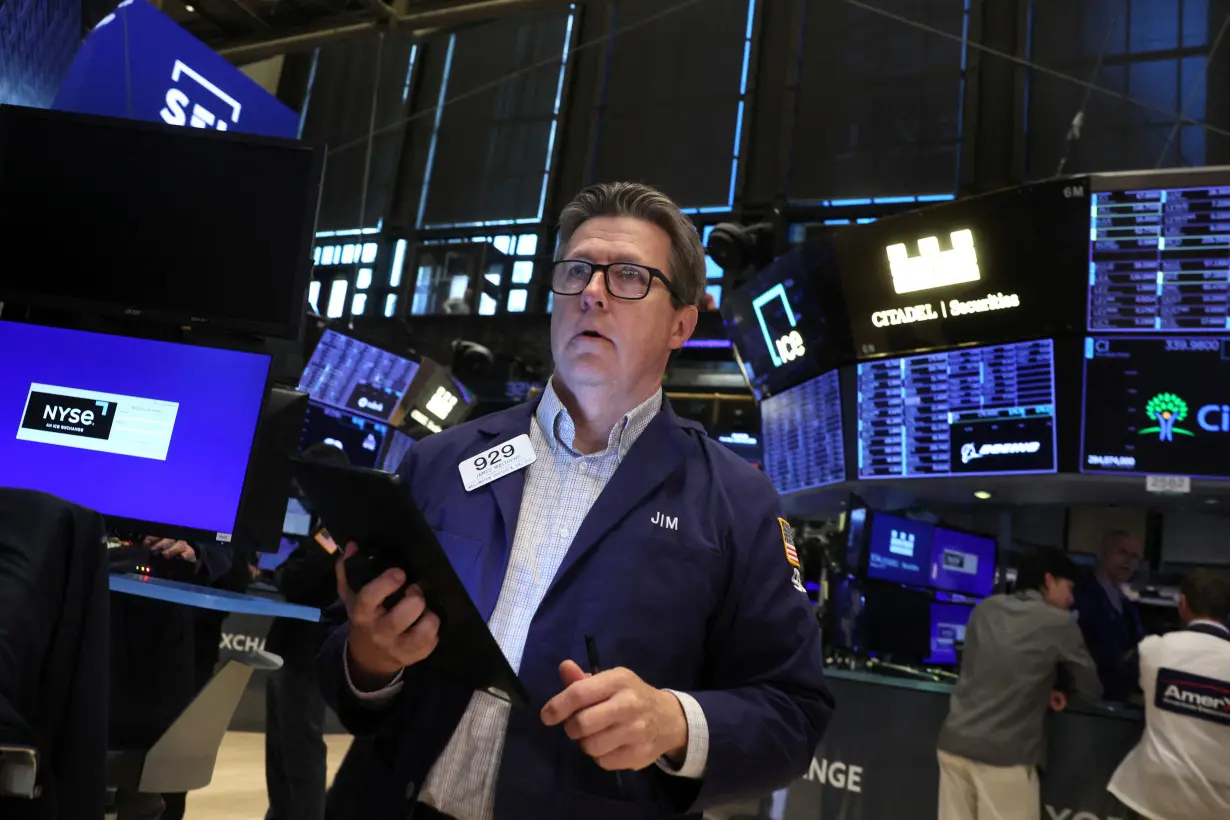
362	440
801	427
961	562
899	550
356	377
150	431
270	561
948	622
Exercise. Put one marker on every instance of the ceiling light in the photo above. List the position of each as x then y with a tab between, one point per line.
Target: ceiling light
981	495
1210	501
189	9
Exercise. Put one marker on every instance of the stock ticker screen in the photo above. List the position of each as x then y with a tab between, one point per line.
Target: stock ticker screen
976	411
802	435
1159	260
1158	406
357	377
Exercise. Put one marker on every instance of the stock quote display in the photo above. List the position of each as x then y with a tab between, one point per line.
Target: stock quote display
802	435
1159	260
978	411
1158	406
354	376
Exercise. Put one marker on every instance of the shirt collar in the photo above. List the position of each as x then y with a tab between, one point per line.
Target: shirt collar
558	428
1209	622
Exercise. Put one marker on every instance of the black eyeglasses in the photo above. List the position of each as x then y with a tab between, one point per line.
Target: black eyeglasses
624	280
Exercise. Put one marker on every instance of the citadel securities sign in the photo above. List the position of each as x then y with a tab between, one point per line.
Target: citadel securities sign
139	64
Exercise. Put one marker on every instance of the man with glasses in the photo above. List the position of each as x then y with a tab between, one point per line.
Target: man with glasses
638	577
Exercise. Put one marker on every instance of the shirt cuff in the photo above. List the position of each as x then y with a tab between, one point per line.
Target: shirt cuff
378	698
696	759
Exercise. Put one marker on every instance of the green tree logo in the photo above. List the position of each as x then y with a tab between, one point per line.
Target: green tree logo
1166	409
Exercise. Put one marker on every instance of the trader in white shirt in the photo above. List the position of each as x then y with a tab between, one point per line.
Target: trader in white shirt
1180	770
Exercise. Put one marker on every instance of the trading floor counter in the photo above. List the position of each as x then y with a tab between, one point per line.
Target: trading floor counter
878	757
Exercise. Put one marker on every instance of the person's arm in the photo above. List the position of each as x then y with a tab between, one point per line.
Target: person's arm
213	560
765	704
1080	673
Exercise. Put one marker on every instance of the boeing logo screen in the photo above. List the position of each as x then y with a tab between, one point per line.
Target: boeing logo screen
996	267
899	549
1157	406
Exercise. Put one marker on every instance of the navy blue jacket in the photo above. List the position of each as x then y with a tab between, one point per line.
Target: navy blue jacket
708	608
1110	636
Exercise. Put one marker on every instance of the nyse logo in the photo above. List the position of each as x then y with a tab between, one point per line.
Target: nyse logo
836	774
788	347
901	542
933	268
442	403
180	108
238	642
69	415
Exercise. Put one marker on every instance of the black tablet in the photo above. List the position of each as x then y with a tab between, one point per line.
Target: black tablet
372	509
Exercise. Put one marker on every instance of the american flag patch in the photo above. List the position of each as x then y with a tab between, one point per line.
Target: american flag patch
792	555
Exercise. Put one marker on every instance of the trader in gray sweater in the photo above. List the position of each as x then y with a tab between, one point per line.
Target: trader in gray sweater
994	739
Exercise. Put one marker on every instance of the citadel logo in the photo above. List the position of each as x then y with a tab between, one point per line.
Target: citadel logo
68	415
901	542
933	268
441	403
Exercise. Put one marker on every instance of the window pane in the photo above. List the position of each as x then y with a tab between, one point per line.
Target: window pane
503	244
316	255
327	259
337	298
369	253
493	278
314	295
399	262
390	304
486	305
358	304
522	273
348	254
516	300
550	301
457	287
527	245
364	279
716	292
712	270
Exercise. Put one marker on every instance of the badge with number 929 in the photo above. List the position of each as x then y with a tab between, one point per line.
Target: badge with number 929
496	462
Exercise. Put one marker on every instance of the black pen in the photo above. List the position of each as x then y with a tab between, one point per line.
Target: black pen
595	666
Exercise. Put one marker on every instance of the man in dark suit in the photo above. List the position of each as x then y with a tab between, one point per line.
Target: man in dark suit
1109	620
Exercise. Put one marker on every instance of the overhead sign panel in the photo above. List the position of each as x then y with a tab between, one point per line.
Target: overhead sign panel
140	64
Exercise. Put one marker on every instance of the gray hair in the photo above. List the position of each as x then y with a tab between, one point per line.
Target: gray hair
687	262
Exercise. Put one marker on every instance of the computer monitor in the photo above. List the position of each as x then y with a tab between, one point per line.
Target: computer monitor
357	377
899	550
434	402
155	436
297	521
948	622
962	562
361	439
269	482
270	561
207	227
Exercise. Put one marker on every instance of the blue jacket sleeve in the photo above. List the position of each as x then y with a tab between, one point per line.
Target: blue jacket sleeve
214	558
766	704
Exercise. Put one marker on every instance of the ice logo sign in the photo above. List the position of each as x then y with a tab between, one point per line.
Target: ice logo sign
1167	410
181	110
788	346
933	268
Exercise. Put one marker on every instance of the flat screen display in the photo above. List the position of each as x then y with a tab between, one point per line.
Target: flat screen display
434	401
976	411
745	446
1158	406
361	439
205	226
899	550
973	271
142	431
298	520
801	427
1159	260
948	623
354	376
787	322
963	562
270	561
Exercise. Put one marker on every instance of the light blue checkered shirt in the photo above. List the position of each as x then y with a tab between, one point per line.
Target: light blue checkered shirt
560	487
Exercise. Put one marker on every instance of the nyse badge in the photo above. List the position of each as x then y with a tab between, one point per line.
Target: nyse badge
792	555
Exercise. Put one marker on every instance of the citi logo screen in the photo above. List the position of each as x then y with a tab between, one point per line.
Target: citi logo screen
103	422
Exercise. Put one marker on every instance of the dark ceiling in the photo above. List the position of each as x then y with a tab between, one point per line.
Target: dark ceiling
249	30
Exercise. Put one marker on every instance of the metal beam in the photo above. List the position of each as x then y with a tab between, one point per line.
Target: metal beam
381	9
426	16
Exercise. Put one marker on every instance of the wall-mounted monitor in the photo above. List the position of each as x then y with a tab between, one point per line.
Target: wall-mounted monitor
948	623
155	436
899	550
1158	406
1159	260
802	435
963	562
357	377
974	411
787	323
992	268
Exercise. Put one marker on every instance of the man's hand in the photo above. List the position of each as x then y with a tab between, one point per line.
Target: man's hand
621	721
384	641
1059	701
169	548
